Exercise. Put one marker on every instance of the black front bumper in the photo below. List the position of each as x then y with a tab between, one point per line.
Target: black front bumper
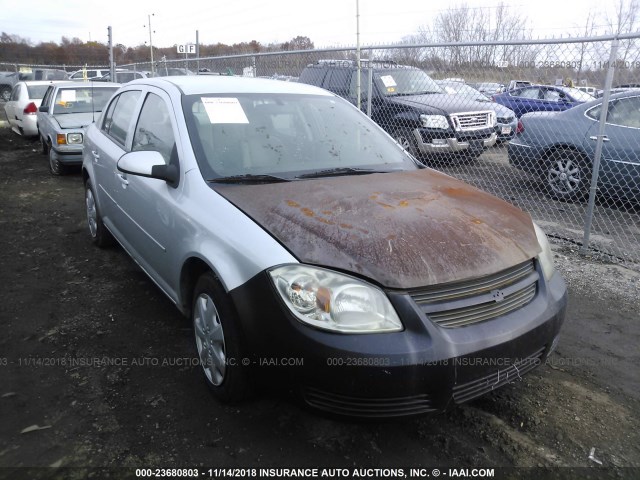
423	368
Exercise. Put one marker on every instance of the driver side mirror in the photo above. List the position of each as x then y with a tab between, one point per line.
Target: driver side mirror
148	164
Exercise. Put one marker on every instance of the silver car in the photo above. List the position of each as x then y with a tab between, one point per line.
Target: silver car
66	110
311	251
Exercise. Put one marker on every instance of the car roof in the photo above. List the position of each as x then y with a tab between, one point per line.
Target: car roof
41	82
206	84
66	83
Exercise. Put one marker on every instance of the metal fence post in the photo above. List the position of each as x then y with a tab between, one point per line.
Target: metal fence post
370	84
600	140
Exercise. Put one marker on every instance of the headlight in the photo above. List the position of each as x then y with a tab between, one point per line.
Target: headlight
74	138
434	121
546	256
333	301
493	121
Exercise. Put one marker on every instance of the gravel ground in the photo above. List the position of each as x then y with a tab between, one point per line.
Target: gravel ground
63	298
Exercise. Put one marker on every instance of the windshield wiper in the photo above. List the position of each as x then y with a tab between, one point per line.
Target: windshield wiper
334	172
248	178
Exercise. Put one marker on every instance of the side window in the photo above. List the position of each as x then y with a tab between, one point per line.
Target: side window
364	84
552	95
118	115
338	81
47	97
625	112
16	93
594	113
529	93
313	76
154	131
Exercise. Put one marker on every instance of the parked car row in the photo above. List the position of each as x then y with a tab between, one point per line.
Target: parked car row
250	205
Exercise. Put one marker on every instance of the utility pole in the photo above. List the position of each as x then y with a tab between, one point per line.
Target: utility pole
112	70
150	42
358	73
197	52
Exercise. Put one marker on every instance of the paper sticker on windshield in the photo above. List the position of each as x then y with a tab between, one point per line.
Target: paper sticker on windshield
67	95
388	81
224	110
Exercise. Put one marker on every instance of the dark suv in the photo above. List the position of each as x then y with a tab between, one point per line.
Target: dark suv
409	105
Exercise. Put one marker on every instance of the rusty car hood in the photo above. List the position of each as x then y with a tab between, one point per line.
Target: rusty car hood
403	229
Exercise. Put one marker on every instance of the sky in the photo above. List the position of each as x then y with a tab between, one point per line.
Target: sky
327	23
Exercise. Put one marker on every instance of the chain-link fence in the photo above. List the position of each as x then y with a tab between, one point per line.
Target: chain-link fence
481	112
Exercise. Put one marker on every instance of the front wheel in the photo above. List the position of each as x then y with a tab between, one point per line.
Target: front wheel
567	175
55	167
404	137
219	341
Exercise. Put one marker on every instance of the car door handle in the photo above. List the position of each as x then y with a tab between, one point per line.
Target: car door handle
123	179
595	137
96	155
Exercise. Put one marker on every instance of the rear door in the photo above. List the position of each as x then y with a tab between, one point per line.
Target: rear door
105	147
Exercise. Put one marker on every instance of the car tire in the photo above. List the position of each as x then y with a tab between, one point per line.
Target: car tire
404	137
567	175
5	93
55	167
218	341
99	233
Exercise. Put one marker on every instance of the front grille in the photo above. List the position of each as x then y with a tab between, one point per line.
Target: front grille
368	407
472	121
465	303
475	388
485	311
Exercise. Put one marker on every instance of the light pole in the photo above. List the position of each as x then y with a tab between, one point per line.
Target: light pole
150	40
358	73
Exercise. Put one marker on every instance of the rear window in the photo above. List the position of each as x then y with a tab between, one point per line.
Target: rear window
36	92
313	76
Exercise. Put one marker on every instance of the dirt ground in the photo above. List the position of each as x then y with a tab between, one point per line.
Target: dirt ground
62	298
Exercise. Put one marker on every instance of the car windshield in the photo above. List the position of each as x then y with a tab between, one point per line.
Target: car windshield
286	136
82	99
463	89
405	82
36	92
578	95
